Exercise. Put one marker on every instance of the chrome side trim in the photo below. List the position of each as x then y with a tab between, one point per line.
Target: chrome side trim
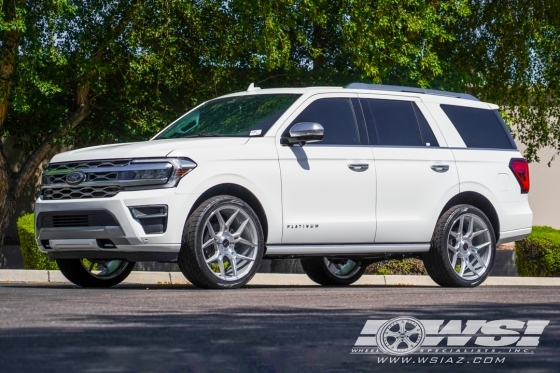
347	249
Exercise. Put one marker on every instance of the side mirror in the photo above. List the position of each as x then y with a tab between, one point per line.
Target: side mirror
303	133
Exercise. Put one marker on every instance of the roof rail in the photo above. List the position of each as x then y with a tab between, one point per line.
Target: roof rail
398	88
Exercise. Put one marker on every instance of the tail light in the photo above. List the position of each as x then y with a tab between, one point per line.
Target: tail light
520	169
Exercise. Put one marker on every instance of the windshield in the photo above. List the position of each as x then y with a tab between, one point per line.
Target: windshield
239	116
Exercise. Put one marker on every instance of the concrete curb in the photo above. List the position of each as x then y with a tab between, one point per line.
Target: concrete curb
267	279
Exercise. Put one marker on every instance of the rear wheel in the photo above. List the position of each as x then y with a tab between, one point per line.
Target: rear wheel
463	248
223	244
95	272
332	272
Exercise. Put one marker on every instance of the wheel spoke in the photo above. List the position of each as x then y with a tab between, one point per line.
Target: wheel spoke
241	228
478	233
452	248
483	245
461	221
208	243
231	219
390	333
471	267
462	270
479	259
91	264
396	343
213	257
402	326
221	265
233	264
243	257
471	227
455	235
220	221
210	229
408	342
244	241
413	331
454	260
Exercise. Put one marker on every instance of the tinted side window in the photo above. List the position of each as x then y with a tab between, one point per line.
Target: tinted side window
428	137
395	123
479	128
337	118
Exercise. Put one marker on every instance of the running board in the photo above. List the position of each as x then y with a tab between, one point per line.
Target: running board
348	249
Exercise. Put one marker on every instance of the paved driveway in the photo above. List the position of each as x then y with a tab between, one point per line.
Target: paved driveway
60	328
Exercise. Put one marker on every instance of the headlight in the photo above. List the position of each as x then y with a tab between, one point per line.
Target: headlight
151	174
151	171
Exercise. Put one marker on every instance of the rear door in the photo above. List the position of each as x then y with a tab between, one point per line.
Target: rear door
416	172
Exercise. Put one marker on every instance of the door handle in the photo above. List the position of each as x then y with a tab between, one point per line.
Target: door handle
440	168
359	167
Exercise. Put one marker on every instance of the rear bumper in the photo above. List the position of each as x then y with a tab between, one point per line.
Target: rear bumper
514	235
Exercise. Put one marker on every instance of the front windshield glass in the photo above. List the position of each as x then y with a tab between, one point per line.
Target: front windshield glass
239	116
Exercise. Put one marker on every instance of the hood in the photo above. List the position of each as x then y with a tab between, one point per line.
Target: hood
145	149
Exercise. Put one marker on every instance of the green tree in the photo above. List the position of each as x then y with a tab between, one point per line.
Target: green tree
78	72
508	52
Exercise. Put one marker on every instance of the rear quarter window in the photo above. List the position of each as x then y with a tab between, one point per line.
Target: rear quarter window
480	128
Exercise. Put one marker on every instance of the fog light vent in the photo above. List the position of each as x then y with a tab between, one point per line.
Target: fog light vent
152	218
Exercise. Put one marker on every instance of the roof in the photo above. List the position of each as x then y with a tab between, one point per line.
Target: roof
398	88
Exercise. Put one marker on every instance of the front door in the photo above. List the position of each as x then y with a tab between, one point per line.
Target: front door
328	188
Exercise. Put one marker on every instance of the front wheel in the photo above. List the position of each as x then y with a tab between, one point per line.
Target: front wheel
95	272
223	244
332	272
463	248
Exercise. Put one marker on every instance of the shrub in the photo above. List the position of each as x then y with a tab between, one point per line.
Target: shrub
538	255
408	266
32	257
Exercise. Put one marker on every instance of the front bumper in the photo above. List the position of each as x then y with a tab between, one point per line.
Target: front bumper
128	236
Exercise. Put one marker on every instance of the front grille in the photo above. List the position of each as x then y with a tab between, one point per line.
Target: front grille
81	192
88	164
79	218
69	221
91	176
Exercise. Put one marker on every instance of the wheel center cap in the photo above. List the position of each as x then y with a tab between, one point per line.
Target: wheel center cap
226	243
466	246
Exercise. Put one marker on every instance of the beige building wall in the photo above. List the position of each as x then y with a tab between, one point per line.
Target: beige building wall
544	196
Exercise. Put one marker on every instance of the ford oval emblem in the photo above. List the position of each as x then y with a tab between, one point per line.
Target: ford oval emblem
75	178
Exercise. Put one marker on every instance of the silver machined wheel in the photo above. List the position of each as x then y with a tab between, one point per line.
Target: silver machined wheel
469	247
104	269
342	268
229	243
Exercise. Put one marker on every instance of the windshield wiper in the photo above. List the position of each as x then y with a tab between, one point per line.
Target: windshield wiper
203	134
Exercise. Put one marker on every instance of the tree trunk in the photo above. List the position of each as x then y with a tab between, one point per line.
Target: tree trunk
13	184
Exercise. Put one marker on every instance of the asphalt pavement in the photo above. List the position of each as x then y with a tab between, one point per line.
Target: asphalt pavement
261	329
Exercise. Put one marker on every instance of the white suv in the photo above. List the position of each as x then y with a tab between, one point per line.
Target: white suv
339	177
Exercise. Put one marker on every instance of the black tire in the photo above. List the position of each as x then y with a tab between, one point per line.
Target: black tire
438	262
192	261
317	270
75	272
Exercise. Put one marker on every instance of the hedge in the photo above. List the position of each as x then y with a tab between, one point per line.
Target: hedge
32	257
408	266
538	255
